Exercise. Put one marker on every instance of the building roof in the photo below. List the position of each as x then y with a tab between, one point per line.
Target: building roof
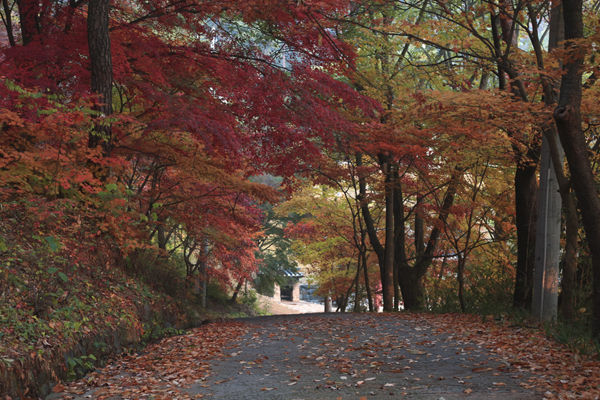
291	274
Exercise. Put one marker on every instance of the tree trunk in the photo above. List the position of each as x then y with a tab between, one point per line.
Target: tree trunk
525	206
525	178
460	276
28	17
8	23
412	288
161	237
328	306
399	239
548	225
236	291
396	284
411	277
368	218
363	257
568	120
387	278
567	304
204	284
101	70
357	287
197	282
547	243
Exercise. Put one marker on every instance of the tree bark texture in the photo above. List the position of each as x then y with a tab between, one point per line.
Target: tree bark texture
28	17
525	206
387	279
550	196
568	120
547	243
101	69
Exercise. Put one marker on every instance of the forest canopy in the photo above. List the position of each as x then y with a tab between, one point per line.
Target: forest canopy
420	155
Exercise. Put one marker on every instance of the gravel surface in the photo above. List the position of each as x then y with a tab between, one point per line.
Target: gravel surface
355	356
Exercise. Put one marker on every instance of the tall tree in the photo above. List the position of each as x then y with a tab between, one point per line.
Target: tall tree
568	120
101	69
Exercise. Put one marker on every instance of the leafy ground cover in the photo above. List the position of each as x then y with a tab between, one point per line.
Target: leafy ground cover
61	316
58	318
162	370
557	370
343	356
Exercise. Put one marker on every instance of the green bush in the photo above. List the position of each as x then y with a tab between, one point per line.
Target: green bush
159	272
215	292
249	298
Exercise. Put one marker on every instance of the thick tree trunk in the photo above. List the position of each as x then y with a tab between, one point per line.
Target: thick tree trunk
544	304
400	242
28	17
548	225
411	284
525	177
328	306
568	120
101	69
525	206
387	278
567	304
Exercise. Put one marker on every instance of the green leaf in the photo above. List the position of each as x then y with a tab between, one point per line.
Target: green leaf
63	277
53	243
49	111
111	187
52	270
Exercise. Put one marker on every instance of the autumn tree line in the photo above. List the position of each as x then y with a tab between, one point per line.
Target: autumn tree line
407	135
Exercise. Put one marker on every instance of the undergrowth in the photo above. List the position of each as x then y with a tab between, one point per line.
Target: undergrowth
576	335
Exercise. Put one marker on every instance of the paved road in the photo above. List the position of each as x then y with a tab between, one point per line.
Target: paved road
351	356
288	307
313	356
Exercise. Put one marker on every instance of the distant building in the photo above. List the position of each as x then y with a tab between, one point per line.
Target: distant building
290	291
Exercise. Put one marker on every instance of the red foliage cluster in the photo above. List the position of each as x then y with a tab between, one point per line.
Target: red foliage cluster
202	101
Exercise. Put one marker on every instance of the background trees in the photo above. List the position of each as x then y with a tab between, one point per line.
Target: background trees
137	127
